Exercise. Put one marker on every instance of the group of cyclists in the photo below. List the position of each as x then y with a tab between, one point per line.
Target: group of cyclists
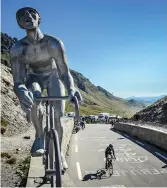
79	124
106	120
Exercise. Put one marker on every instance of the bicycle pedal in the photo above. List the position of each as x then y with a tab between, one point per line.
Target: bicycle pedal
44	160
62	172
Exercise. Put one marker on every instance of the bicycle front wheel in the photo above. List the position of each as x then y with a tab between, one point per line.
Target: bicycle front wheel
57	159
52	161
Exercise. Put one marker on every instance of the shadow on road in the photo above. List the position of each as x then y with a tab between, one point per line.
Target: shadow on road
150	148
121	138
100	174
165	166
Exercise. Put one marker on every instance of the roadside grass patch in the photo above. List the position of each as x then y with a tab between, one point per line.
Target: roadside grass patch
8	158
23	169
11	161
5	155
4	124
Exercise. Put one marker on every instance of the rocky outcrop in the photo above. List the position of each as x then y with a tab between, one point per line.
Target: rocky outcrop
6	42
156	113
13	119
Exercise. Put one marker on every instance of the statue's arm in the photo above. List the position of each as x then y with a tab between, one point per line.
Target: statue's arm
18	68
58	53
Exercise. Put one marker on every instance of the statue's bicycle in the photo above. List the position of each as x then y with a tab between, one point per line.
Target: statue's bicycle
52	150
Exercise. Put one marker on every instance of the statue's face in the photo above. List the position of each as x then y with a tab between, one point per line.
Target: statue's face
29	19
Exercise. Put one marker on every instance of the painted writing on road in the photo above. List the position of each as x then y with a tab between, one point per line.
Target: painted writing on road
135	172
112	186
133	159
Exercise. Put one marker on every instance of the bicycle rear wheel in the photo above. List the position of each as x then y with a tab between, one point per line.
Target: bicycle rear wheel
110	168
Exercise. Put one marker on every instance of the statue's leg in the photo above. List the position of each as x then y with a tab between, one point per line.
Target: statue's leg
56	88
37	118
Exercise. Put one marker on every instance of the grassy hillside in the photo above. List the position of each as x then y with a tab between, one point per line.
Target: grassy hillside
97	99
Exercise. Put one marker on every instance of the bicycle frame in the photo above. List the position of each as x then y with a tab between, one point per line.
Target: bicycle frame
109	164
52	155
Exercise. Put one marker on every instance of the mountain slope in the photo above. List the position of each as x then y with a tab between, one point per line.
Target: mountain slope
97	99
136	103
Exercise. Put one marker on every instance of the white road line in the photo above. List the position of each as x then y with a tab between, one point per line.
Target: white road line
161	155
76	138
96	137
76	148
126	135
90	172
140	143
100	150
104	144
79	171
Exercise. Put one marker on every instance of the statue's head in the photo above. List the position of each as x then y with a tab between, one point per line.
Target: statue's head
28	18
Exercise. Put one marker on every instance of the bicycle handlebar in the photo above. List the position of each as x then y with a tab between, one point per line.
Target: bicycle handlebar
51	98
59	98
56	98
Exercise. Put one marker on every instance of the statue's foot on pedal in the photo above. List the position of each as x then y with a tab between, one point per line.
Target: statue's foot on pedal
38	147
63	170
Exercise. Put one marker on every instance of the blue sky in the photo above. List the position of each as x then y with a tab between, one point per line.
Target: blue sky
120	45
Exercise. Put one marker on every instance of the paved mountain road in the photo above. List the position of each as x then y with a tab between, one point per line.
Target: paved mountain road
138	164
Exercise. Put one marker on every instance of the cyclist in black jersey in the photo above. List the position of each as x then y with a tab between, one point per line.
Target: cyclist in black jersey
109	151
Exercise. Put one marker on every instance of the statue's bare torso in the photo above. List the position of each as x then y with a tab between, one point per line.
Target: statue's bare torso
39	58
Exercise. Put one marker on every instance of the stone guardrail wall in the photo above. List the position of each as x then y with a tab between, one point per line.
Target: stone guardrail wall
36	166
68	125
155	137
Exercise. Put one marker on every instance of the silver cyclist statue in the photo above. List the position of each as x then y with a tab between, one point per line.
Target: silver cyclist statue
40	58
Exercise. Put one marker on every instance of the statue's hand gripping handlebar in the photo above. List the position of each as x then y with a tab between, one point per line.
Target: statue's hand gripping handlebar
56	98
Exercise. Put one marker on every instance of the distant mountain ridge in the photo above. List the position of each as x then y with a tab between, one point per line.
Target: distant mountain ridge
133	102
147	99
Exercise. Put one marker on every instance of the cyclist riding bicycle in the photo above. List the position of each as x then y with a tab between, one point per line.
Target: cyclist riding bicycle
109	151
82	123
